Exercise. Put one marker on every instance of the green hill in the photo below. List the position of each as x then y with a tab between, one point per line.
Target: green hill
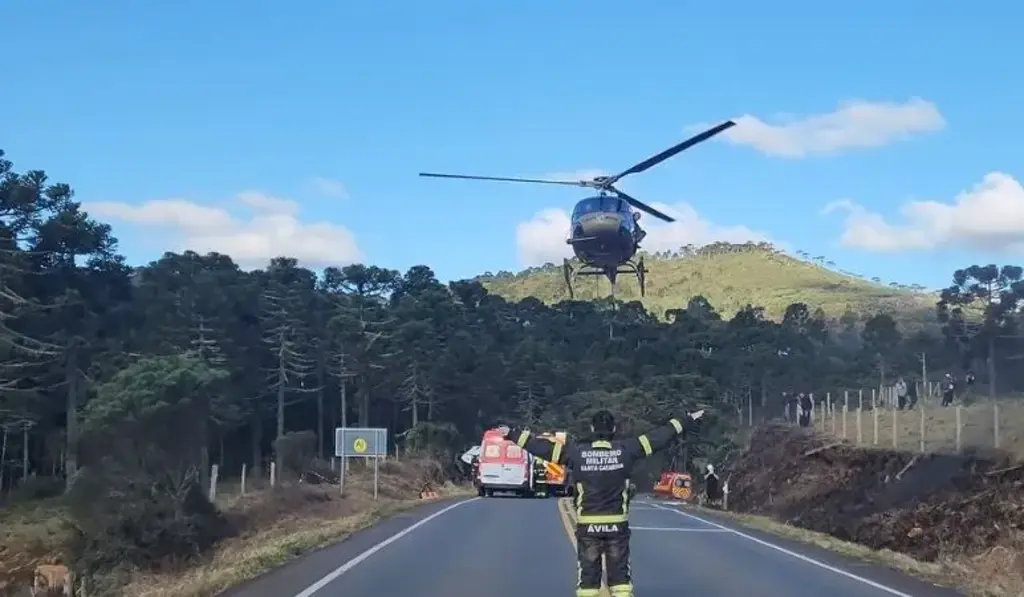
729	276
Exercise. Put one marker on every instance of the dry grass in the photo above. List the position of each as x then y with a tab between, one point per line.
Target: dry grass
997	573
977	426
276	526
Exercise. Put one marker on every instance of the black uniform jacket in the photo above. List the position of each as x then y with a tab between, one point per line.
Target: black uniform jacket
601	468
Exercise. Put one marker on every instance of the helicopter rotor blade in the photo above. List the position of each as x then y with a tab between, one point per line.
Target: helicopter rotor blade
579	183
642	206
671	151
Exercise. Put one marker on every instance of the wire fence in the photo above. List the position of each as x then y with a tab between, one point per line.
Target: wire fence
873	418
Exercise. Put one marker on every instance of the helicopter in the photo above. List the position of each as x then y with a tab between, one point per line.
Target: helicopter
605	230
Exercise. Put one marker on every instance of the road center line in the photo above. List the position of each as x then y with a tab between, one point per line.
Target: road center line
791	553
334	574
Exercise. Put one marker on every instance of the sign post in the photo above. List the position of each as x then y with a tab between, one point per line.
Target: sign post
360	442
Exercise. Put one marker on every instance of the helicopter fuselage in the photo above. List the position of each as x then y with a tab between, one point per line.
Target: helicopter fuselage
603	231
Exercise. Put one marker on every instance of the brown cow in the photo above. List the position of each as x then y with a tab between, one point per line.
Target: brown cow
52	579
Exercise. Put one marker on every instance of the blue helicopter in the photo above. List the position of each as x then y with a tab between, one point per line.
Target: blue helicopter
605	230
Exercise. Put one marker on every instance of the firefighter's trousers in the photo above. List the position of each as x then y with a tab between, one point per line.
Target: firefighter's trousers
590	547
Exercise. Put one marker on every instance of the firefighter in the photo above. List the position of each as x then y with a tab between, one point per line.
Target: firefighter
601	470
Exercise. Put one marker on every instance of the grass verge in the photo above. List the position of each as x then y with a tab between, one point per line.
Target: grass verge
996	573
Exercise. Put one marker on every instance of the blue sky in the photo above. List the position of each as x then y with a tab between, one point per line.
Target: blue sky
335	107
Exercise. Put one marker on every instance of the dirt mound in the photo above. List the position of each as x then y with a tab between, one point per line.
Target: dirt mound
925	505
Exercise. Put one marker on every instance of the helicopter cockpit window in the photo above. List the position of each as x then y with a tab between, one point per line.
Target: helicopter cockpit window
599	204
588	206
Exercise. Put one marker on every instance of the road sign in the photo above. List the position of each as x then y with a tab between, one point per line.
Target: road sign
360	442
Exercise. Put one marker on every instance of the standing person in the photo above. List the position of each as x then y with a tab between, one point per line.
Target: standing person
901	393
948	389
912	395
602	468
806	406
712	487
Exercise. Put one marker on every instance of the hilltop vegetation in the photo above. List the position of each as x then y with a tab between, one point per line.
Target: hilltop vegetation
730	276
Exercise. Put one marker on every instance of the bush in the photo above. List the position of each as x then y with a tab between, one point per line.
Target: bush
297	449
38	488
123	521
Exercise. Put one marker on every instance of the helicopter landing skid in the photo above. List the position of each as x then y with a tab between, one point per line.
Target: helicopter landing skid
638	269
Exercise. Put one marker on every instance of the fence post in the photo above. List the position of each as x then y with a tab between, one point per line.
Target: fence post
846	410
243	478
831	410
273	474
995	425
922	429
895	427
874	415
958	427
860	425
214	470
750	410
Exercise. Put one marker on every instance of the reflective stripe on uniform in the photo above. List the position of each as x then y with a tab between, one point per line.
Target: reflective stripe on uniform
645	443
601	444
523	436
675	423
602	519
556	452
621	590
588	592
625	499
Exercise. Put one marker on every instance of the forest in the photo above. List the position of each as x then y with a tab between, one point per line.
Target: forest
147	375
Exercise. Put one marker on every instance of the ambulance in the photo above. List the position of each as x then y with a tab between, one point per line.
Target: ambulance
503	466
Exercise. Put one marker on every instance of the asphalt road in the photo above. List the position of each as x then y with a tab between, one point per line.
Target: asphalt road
509	547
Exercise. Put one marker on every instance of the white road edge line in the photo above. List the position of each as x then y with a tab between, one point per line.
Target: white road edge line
677	530
792	554
334	574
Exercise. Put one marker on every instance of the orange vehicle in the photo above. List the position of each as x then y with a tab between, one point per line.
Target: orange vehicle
557	475
673	485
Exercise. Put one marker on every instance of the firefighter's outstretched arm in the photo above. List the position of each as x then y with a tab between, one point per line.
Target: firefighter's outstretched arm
660	437
540	447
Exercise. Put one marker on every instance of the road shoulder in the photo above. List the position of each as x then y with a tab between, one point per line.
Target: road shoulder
890	570
295	576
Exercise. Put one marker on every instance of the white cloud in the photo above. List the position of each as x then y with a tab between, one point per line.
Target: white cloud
853	124
266	204
329	187
989	216
541	239
274	229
